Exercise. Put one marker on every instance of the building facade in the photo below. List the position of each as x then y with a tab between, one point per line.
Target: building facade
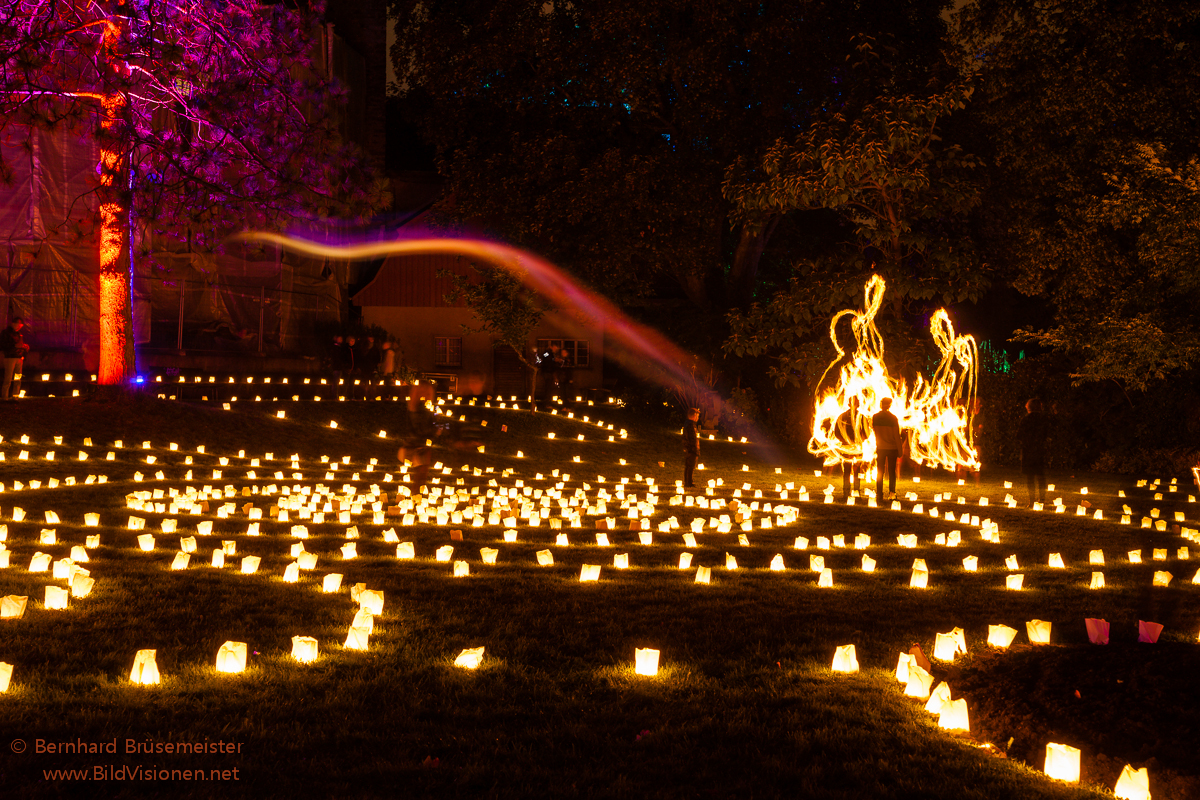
408	298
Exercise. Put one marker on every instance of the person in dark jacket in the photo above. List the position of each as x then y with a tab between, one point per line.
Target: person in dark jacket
1032	434
371	357
691	446
14	348
887	447
340	358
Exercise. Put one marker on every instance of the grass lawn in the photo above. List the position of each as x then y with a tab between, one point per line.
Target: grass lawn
744	705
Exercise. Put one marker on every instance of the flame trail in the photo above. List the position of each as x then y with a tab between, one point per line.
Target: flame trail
936	412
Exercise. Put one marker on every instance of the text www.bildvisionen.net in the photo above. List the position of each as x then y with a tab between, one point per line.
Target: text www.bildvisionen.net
114	772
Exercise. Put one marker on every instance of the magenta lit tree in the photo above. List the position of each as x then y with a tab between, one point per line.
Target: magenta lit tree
211	116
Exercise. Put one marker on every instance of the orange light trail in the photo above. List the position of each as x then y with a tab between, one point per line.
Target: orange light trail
935	412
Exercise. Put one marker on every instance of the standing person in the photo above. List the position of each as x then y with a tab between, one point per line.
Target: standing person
371	358
846	431
14	349
387	358
564	375
353	354
887	447
547	364
339	362
1032	434
691	446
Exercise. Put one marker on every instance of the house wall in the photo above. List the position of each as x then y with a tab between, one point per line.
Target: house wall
415	328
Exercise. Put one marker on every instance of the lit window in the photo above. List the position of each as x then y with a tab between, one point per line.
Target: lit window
578	351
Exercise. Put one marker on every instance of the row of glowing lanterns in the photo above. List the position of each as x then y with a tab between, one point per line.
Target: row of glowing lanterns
231	658
914	671
307	560
344	516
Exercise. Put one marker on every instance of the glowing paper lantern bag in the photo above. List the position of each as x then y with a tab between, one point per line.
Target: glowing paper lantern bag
145	669
1062	762
232	657
845	659
645	661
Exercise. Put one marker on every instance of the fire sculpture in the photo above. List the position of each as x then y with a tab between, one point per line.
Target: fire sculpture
936	412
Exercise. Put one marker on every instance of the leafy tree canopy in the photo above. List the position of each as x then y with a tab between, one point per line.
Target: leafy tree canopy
599	134
903	198
1083	105
216	106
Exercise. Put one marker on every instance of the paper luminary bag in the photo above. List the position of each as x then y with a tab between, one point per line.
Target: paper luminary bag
372	600
1148	631
488	554
918	683
304	649
826	579
81	585
357	639
939	697
1014	582
470	658
953	716
902	665
363	618
589	572
1097	581
919	579
56	598
1062	762
232	657
461	569
948	645
703	574
1134	784
845	659
145	669
1097	630
545	558
645	661
1038	631
868	563
13	607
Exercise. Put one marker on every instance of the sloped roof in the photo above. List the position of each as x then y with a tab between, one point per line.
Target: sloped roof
413	281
